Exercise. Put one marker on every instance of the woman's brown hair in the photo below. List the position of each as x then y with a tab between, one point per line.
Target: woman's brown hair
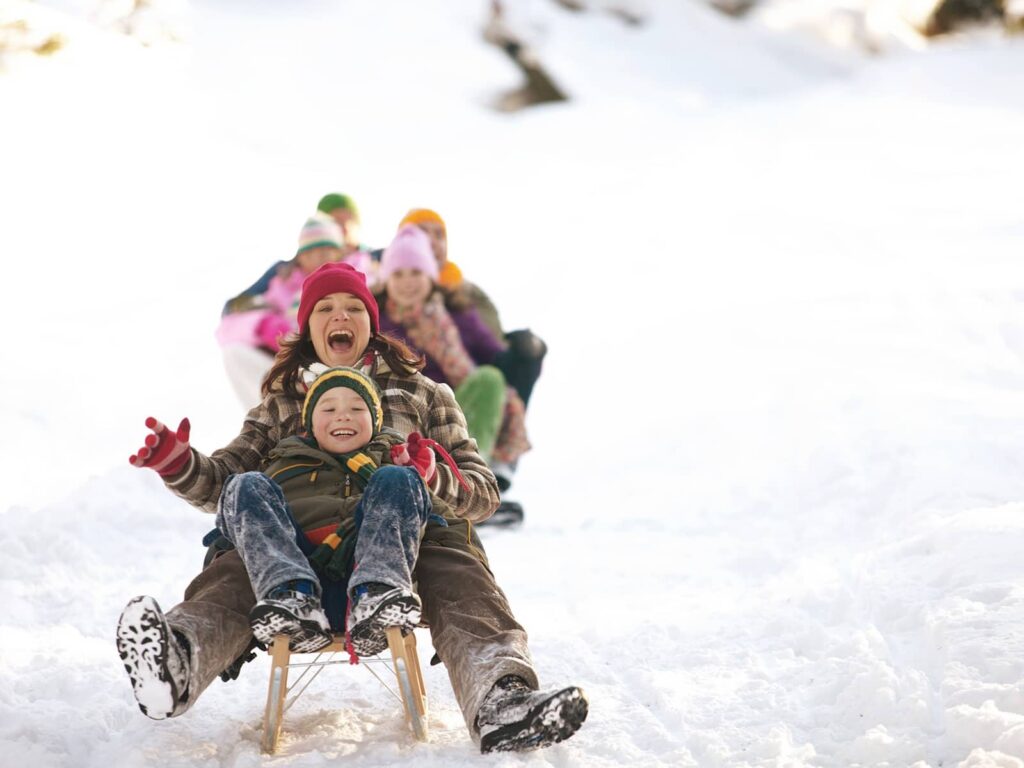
297	352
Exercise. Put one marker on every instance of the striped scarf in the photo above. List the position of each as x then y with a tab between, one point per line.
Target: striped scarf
433	332
359	464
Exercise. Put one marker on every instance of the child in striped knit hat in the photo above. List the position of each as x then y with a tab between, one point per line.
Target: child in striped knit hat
253	322
346	485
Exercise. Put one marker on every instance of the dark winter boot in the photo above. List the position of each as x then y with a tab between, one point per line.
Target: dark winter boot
377	607
507	515
156	660
503	473
291	609
515	718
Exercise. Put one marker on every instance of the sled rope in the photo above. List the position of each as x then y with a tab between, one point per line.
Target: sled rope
448	460
352	658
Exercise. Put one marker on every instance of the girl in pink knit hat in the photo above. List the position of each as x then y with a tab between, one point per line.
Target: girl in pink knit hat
521	359
458	345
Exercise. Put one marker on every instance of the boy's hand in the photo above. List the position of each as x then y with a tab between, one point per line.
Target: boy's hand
165	452
418	454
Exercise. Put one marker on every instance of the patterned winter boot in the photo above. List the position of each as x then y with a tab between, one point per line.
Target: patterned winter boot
515	718
155	658
291	609
377	607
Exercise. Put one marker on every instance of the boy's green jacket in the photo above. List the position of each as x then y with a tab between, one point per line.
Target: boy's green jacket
321	491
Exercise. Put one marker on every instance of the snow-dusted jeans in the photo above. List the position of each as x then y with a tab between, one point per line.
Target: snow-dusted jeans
471	623
395	507
253	516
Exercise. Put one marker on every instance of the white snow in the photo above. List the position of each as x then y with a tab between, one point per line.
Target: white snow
776	503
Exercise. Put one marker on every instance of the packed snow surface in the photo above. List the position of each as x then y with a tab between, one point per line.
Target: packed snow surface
775	509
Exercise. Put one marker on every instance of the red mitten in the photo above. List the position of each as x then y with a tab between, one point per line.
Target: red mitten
270	330
418	454
165	452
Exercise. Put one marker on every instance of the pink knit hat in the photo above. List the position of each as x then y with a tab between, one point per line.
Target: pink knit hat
409	250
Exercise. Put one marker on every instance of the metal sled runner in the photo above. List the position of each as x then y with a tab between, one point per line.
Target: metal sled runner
404	663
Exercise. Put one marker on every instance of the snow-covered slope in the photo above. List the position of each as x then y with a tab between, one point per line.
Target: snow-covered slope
775	503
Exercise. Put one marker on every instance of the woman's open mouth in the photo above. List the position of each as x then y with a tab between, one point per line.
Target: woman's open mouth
340	341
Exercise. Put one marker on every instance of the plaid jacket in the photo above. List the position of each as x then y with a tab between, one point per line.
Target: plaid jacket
411	404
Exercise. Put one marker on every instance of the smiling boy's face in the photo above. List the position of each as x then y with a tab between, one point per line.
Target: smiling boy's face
341	421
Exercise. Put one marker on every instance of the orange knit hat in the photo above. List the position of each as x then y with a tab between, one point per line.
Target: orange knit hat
450	276
420	215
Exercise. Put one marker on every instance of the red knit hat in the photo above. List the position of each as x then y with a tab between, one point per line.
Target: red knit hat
336	277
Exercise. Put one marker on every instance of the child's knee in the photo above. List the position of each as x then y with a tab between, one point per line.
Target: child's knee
392	484
491	378
241	488
391	480
391	474
484	388
526	344
251	481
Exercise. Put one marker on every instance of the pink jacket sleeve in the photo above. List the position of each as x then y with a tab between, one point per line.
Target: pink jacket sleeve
283	292
240	328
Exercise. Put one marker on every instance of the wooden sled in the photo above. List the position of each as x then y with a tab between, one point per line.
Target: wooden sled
405	664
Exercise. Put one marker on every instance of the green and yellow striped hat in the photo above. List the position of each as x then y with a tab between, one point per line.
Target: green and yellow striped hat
355	380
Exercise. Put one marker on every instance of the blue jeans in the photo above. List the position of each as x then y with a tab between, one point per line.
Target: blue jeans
252	515
394	508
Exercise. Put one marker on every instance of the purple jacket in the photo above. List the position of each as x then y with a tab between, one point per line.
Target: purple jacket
477	338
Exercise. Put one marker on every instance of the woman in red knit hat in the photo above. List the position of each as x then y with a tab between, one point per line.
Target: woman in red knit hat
484	648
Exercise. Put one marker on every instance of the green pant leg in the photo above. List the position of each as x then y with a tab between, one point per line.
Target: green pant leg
482	398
